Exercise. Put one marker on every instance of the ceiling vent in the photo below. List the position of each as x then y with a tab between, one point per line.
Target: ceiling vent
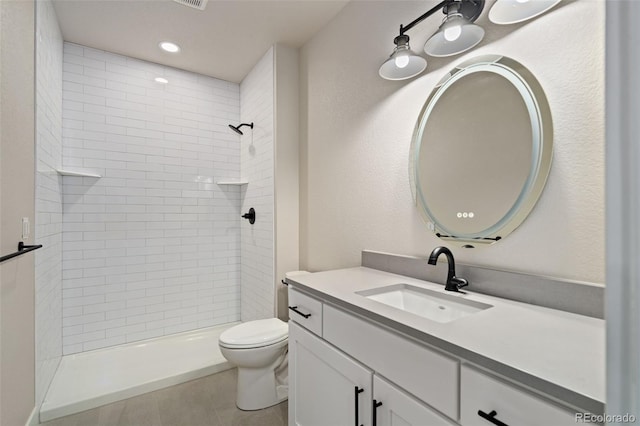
196	4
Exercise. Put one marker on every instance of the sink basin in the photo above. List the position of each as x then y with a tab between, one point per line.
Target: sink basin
425	303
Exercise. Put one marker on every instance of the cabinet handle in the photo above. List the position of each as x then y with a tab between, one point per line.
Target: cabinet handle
295	309
491	417
284	283
357	391
374	410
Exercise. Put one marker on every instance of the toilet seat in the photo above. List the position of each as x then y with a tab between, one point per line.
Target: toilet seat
255	334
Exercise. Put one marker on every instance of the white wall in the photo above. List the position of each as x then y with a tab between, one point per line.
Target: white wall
257	159
286	171
17	200
152	247
48	225
357	128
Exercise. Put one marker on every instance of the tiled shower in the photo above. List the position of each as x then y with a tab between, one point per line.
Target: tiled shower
140	240
152	246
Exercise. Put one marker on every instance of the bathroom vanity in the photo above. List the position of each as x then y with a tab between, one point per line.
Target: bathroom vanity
368	347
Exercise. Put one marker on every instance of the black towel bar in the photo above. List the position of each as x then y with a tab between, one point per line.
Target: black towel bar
22	249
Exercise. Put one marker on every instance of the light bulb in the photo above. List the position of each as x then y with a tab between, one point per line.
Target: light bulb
167	46
452	32
402	61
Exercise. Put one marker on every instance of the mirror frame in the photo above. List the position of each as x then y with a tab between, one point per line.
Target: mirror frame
542	149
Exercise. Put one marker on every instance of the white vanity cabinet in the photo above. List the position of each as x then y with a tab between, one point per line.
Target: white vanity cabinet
327	387
351	366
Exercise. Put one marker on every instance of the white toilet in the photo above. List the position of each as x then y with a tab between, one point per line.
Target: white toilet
259	350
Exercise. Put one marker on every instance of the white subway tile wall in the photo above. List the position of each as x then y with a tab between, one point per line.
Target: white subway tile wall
48	221
153	246
257	163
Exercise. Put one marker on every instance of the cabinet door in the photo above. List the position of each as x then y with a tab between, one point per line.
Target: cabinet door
400	409
323	382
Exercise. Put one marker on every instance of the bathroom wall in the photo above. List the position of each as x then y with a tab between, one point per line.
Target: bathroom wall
356	131
257	164
48	223
286	171
152	247
17	183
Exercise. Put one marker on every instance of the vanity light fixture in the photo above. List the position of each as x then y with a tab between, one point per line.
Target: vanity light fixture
455	35
506	12
170	47
161	80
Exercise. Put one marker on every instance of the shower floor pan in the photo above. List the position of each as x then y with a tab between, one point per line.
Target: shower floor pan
91	379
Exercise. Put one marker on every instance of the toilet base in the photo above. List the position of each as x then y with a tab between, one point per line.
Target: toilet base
262	370
257	389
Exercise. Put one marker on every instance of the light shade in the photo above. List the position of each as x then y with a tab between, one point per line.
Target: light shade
454	36
513	11
402	63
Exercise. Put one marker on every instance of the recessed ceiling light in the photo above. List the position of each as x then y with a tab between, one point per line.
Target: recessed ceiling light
161	80
167	46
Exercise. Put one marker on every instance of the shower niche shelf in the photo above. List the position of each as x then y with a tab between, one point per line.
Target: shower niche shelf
232	182
77	173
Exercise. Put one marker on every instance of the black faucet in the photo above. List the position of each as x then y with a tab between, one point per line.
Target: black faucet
453	283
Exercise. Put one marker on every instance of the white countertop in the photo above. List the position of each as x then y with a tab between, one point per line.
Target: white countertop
556	352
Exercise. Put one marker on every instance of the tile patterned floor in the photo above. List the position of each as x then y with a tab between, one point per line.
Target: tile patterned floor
209	401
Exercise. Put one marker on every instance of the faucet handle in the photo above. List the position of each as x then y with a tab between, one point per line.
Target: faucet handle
459	282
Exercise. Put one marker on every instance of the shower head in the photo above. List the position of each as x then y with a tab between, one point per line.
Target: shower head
237	128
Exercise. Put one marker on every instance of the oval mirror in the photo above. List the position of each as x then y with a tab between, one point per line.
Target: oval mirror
481	151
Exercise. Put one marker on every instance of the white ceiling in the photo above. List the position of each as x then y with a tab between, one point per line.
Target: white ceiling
224	41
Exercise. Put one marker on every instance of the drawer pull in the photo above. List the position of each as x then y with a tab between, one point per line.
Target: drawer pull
374	414
295	309
356	392
284	283
491	417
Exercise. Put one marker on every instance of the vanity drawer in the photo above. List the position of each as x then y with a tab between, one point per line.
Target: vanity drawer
512	405
306	311
425	373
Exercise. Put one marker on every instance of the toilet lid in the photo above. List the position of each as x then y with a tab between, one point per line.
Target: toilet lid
255	334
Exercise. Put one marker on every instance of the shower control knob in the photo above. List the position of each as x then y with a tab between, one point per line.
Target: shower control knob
251	216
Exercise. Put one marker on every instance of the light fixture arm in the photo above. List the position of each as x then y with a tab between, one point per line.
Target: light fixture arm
405	28
470	9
